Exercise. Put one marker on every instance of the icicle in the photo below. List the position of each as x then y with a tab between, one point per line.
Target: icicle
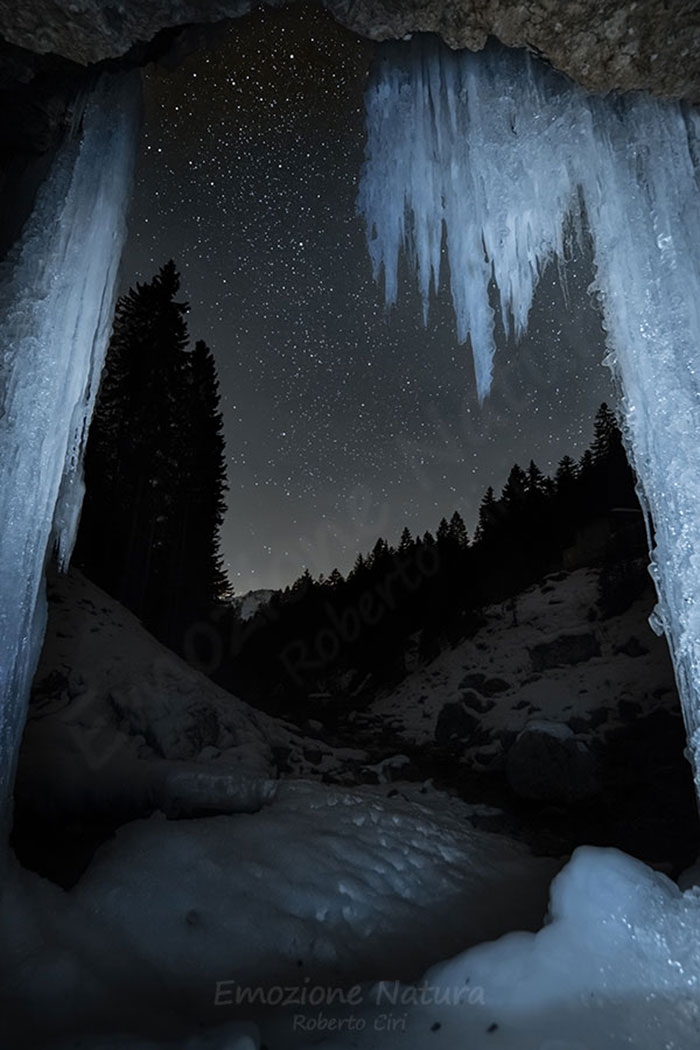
56	297
502	150
474	143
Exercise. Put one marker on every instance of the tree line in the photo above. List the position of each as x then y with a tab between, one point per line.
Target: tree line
155	499
349	636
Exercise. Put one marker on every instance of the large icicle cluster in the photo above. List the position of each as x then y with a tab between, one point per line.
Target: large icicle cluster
490	154
56	298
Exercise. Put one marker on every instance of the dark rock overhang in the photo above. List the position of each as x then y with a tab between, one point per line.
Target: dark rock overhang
648	44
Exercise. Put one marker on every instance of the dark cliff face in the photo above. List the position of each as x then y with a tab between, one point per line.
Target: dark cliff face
650	44
609	46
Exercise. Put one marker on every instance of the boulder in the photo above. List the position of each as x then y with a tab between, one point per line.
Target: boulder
477	703
456	724
632	647
565	649
547	763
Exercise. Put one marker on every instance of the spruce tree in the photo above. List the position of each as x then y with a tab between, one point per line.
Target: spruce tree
458	531
488	512
606	433
516	486
154	466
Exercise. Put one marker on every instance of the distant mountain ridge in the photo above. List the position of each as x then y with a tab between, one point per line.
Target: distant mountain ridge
252	601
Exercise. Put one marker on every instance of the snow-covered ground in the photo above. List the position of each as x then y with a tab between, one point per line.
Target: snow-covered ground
560	661
119	724
177	922
193	933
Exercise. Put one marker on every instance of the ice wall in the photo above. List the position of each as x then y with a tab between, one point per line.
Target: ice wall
56	299
500	153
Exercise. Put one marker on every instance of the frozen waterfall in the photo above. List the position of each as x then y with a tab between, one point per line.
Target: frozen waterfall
499	153
56	298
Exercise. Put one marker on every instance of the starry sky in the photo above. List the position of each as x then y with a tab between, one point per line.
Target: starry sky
342	423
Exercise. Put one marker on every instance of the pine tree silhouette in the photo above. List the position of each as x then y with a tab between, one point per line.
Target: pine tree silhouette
154	465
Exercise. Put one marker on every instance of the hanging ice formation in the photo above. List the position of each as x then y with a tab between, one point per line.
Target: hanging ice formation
499	151
56	298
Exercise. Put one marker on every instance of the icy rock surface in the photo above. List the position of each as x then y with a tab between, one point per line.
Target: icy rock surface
56	296
506	158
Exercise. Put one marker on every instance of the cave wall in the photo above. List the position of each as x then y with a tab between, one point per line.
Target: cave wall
650	44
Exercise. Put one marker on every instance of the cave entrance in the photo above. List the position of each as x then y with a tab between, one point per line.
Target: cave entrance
344	425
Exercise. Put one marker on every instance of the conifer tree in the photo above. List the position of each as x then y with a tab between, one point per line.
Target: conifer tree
606	433
406	541
154	465
443	531
566	474
516	486
535	484
458	531
487	515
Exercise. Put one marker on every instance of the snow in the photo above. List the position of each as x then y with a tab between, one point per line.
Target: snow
617	965
118	723
252	602
56	295
502	152
561	605
322	885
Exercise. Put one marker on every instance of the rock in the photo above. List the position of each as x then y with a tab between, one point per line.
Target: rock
476	703
566	649
396	767
548	764
632	647
629	709
174	730
647	44
598	717
281	755
485	686
507	737
457	725
494	761
592	720
473	681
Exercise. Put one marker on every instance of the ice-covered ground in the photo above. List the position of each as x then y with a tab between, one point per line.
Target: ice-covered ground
177	922
321	886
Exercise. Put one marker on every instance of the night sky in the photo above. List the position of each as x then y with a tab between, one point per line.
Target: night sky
341	424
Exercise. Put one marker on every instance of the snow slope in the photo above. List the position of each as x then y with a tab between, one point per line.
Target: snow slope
500	669
118	723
